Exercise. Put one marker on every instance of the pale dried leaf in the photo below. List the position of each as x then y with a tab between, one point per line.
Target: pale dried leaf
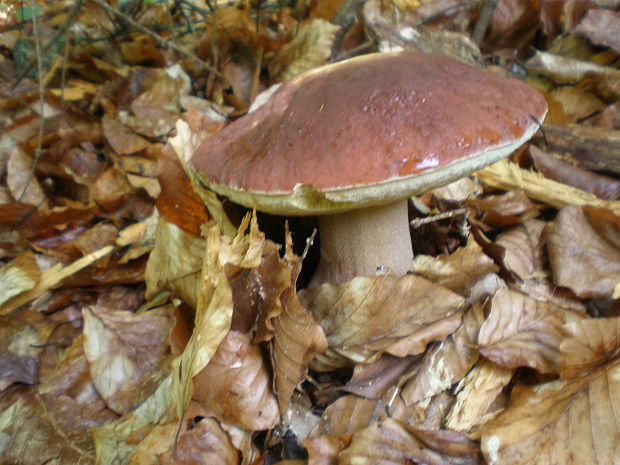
446	362
309	49
390	442
523	250
569	70
324	450
581	259
174	263
429	413
476	393
205	443
459	191
508	175
520	331
290	353
457	271
19	275
373	379
213	318
236	385
48	429
123	140
19	352
587	344
127	352
576	103
348	414
602	27
21	181
370	315
574	422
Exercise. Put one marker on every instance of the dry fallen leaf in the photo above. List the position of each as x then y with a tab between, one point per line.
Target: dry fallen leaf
128	353
370	315
601	26
391	442
206	442
235	385
290	353
519	331
457	271
309	49
587	344
581	259
446	362
476	394
19	275
573	422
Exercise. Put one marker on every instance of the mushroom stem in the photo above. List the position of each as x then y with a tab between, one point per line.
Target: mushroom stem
360	242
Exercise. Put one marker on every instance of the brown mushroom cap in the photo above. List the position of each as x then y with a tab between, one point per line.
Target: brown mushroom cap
368	131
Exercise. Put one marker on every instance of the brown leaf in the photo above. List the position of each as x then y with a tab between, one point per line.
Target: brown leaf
457	271
324	450
19	275
19	352
309	49
476	394
447	362
520	331
348	414
370	315
573	104
174	263
48	428
178	203
290	353
504	210
581	259
390	442
127	353
22	183
205	443
373	379
236	385
602	27
122	140
572	422
588	344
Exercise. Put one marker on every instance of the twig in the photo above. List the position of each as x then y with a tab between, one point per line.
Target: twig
29	67
483	20
39	149
163	42
417	222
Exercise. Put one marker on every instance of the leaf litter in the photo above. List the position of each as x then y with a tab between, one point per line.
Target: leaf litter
139	326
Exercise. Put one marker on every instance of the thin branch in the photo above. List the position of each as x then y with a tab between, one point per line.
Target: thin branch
483	20
61	32
37	45
158	39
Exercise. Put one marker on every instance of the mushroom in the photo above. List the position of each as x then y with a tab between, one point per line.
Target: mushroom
352	141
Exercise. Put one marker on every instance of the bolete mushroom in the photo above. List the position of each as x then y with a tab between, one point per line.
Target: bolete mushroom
351	141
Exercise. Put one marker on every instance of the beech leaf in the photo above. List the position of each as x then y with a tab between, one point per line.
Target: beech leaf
574	422
521	331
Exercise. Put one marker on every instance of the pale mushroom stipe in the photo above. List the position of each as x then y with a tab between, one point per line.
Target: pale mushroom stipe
351	141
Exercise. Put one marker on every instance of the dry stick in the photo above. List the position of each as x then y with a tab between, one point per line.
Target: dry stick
417	222
163	42
37	153
24	72
483	20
